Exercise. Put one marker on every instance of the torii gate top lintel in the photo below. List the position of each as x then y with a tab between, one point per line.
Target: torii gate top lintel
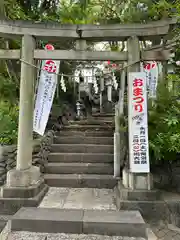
118	32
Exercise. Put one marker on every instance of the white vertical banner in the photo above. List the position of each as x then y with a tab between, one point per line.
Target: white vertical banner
138	124
152	73
45	93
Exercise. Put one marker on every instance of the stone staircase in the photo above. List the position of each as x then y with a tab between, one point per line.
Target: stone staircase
80	172
82	155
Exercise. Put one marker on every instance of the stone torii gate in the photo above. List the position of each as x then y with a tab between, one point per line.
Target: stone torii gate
26	175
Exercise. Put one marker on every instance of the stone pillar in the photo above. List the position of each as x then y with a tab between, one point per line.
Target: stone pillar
101	93
108	83
135	191
25	174
135	181
80	46
121	92
101	102
109	92
117	143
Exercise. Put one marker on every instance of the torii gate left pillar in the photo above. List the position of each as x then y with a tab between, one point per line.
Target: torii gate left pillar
25	174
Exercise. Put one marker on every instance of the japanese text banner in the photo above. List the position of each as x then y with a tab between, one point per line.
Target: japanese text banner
152	70
138	124
45	95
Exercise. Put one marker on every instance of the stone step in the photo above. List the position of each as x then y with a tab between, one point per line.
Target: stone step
101	121
84	140
18	192
80	180
104	119
89	133
123	193
79	168
103	115
82	148
77	221
79	198
9	206
78	127
81	157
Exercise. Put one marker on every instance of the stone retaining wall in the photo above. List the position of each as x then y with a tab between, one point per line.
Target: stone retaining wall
167	180
41	149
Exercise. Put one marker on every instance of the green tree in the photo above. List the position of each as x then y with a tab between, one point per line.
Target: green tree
164	125
78	12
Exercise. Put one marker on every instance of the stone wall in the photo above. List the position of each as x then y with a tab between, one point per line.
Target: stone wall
41	149
167	179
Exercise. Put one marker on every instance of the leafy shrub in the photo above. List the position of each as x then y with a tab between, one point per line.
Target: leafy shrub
8	90
164	125
8	123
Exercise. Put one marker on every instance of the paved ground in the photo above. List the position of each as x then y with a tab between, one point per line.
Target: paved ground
162	230
43	236
78	198
87	198
84	198
166	232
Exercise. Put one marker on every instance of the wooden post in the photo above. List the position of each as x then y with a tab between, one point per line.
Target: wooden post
26	105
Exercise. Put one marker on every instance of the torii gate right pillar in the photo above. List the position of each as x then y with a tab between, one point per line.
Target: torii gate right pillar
131	180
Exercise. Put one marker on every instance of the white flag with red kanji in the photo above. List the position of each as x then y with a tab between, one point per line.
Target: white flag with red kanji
45	93
152	74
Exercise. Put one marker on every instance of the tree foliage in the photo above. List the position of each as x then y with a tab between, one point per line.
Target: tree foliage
8	123
116	11
164	125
